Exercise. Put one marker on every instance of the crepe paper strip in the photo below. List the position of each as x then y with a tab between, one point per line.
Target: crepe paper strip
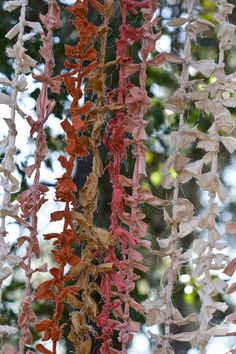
32	199
126	128
115	142
22	64
225	35
183	221
55	289
163	310
92	237
222	121
83	136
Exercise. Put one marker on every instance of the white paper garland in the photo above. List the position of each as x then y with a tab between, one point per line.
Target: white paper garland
163	311
183	219
209	255
22	65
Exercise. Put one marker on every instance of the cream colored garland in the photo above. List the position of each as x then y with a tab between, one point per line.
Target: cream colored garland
22	65
183	221
163	310
209	255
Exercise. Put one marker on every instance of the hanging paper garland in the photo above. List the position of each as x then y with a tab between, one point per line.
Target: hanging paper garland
32	199
127	128
215	105
223	88
93	238
22	65
82	136
163	311
183	221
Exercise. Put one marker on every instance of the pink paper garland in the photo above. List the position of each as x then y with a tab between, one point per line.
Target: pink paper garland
117	284
32	199
22	64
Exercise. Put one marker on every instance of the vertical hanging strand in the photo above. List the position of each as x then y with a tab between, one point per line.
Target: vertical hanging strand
216	105
22	65
183	221
178	210
126	130
85	65
182	209
94	239
137	102
33	198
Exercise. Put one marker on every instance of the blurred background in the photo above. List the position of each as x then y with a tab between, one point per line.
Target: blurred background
161	83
